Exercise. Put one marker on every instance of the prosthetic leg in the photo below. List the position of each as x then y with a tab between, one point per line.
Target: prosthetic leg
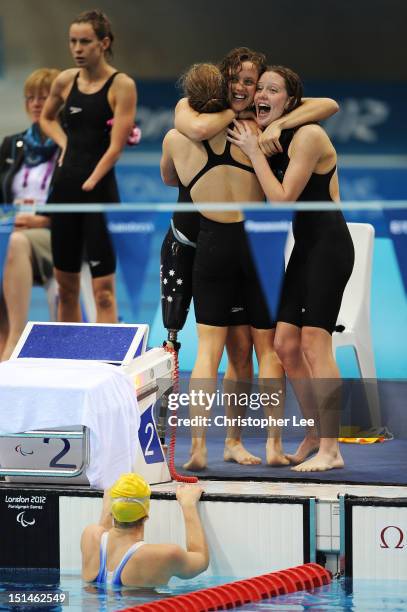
177	260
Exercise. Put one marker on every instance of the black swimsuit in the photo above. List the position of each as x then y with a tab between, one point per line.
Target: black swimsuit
189	223
219	272
322	258
84	120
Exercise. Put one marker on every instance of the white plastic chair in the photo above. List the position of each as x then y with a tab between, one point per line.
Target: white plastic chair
354	314
87	299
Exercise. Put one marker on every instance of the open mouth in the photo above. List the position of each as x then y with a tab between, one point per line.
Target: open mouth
263	109
237	96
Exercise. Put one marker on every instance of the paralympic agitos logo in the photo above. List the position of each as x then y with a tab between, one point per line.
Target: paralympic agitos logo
22	452
23	522
392	536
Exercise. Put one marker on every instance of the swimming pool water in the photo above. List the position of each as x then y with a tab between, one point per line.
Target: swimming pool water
88	597
343	594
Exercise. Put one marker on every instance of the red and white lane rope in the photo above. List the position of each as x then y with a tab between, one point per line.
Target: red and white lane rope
301	578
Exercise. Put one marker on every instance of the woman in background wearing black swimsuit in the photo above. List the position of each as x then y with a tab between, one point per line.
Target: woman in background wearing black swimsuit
320	264
92	96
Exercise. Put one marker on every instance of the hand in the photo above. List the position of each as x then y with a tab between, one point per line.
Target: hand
188	494
22	221
244	138
88	185
269	141
30	221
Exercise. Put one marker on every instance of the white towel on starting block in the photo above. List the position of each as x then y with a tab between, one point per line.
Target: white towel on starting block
43	393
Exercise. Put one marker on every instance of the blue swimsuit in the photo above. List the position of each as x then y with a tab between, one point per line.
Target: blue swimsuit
113	578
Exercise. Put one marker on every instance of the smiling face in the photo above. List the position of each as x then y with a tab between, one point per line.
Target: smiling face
242	87
271	99
86	48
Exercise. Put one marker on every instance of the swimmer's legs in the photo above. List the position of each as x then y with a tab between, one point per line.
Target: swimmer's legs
271	383
316	345
288	347
307	358
237	380
105	298
211	342
69	309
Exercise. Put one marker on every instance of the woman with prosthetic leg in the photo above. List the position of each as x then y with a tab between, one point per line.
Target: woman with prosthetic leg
225	285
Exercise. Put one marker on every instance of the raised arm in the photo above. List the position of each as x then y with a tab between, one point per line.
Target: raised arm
311	110
195	559
200	126
49	117
106	519
168	173
125	100
91	535
306	151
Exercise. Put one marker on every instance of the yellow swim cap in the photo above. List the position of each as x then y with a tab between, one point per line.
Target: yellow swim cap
130	497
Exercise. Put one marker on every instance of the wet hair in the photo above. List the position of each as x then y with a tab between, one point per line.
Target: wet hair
293	85
205	88
100	24
232	62
40	80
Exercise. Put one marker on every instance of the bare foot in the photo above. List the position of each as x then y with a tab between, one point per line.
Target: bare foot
197	461
237	452
321	462
274	453
307	447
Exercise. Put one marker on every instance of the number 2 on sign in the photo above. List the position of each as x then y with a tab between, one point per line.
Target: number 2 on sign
64	451
149	442
149	429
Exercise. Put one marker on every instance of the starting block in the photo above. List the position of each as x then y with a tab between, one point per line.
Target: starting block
61	455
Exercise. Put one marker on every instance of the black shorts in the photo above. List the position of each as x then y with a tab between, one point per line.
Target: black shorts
79	236
226	288
318	270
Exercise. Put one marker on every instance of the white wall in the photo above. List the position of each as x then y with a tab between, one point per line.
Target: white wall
245	539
